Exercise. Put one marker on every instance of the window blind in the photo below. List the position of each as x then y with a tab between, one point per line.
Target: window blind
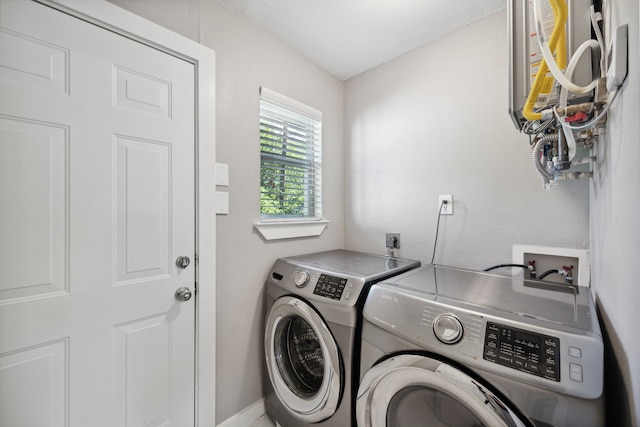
290	158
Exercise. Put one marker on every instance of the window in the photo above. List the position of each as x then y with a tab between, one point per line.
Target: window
290	159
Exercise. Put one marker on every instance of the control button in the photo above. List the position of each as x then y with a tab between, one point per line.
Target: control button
490	352
301	278
575	372
347	295
447	328
575	352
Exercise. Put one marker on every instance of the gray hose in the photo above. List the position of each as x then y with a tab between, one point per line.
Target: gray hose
549	138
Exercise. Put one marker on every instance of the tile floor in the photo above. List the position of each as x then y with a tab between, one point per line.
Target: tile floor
263	421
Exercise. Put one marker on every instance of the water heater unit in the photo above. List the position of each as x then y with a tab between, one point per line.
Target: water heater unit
526	56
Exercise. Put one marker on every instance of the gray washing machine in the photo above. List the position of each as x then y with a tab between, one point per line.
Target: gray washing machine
445	346
312	333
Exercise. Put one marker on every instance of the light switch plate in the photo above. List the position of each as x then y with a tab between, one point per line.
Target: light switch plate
222	203
222	174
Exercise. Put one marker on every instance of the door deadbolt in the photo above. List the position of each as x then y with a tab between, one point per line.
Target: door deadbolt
183	261
183	294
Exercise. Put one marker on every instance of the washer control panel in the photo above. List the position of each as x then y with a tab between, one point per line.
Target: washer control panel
525	351
318	285
330	286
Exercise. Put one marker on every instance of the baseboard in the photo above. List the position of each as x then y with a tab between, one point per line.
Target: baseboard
246	416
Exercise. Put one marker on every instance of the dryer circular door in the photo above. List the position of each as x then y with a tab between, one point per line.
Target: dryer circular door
303	360
413	390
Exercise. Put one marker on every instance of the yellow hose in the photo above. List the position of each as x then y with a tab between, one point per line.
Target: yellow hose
561	45
557	42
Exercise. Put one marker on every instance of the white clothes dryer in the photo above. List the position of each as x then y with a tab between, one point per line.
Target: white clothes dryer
444	346
312	333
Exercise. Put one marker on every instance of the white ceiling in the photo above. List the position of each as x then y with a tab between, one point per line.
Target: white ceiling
347	37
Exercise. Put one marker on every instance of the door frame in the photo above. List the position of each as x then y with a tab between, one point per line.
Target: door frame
120	21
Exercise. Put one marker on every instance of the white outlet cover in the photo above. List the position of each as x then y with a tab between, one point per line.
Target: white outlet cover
449	199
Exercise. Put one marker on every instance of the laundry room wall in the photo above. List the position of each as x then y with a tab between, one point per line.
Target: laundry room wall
245	60
615	233
434	121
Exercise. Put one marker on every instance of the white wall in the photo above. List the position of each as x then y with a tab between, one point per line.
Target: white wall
247	59
615	233
435	121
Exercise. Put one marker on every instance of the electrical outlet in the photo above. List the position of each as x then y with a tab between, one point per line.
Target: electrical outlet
445	203
393	240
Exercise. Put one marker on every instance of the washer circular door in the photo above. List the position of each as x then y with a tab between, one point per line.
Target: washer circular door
303	360
413	390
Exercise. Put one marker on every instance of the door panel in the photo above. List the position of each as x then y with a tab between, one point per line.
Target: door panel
33	62
97	166
33	218
145	93
143	356
37	376
143	192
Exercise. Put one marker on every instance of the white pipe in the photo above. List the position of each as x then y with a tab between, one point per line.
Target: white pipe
550	60
595	18
593	121
572	66
571	141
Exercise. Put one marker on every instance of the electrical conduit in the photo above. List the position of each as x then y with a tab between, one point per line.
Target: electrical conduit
547	176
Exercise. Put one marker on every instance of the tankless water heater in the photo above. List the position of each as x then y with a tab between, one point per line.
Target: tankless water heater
525	54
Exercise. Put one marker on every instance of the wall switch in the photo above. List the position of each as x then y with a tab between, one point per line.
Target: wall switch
445	203
222	203
222	174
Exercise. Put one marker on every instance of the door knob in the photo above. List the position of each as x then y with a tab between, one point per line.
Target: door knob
183	261
183	294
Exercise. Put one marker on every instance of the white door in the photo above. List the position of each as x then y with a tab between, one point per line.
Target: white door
96	204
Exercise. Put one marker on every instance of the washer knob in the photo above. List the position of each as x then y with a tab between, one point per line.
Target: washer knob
301	278
447	328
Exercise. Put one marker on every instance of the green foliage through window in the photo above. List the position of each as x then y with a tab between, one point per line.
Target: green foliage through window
290	167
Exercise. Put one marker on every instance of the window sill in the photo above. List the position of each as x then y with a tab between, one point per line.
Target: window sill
290	229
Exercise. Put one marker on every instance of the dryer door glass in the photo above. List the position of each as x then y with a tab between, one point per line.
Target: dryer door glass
298	354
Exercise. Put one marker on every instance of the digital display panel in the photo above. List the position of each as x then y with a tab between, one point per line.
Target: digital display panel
330	286
525	351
